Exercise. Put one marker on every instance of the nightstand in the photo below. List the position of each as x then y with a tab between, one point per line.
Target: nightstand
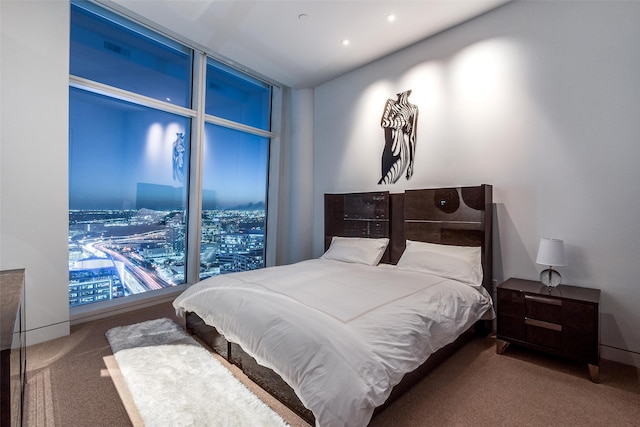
563	321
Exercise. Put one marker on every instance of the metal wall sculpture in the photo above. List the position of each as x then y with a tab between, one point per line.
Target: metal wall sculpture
399	122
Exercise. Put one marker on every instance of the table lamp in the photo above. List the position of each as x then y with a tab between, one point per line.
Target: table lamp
551	253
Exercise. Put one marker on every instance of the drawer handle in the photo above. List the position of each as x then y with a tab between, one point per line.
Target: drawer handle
543	300
541	324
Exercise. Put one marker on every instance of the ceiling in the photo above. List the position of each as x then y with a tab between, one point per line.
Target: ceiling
272	39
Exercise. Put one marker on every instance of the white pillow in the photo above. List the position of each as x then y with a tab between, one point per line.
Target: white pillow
358	250
461	263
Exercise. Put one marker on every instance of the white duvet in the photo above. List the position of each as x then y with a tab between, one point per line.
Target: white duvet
340	334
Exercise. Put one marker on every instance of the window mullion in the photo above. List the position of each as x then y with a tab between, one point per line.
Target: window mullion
238	126
195	170
124	95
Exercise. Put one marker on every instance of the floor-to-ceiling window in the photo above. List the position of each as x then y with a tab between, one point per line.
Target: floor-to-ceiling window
133	126
234	173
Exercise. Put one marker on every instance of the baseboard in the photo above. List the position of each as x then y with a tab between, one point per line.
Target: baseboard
47	333
97	311
117	306
619	355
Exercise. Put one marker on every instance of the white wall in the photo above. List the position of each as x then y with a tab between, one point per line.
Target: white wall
34	147
296	241
540	99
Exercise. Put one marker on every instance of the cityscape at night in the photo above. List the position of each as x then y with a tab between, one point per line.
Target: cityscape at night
130	163
115	253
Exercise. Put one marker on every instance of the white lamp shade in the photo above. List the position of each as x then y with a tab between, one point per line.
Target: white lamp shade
551	253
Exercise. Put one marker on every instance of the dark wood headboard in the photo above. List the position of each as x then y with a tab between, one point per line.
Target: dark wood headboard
357	215
459	216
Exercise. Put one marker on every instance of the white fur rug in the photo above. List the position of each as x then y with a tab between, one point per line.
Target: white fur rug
174	381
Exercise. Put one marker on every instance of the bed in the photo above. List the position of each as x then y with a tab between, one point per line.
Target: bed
404	280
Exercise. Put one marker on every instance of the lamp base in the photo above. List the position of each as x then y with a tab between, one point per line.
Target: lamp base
550	277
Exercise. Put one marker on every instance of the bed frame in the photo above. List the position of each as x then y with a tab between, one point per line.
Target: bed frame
459	216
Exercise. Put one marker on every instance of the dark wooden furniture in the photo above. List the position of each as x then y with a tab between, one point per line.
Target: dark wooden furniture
13	363
562	321
455	216
357	215
451	216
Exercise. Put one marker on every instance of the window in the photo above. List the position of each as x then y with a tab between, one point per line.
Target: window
127	198
131	134
233	201
107	49
237	97
234	172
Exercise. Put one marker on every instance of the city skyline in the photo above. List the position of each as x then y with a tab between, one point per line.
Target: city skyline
116	253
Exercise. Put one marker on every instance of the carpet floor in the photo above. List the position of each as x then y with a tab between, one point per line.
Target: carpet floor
70	385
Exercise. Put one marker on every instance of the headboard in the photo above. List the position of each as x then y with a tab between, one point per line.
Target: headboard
357	215
459	216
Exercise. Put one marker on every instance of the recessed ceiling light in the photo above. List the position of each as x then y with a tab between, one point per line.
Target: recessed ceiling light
303	17
345	42
391	17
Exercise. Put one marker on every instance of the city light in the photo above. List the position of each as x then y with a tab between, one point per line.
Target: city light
116	253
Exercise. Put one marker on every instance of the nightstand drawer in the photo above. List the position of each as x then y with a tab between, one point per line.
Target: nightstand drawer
543	308
542	333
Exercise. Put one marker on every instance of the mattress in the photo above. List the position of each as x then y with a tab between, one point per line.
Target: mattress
342	335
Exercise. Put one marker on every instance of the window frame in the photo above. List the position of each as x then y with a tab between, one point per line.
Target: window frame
198	118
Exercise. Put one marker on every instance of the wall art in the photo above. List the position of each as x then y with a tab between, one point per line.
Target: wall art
399	121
